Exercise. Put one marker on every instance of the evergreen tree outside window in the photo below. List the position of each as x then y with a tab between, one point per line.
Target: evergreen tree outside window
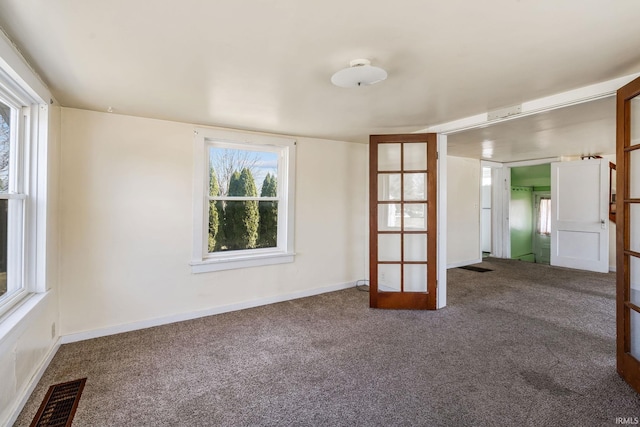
248	205
268	232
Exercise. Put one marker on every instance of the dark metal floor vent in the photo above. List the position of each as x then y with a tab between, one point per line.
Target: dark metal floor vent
478	269
59	405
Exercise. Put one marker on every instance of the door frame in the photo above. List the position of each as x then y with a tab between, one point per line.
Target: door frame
505	227
497	195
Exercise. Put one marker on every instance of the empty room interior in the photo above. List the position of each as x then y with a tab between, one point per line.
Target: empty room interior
286	213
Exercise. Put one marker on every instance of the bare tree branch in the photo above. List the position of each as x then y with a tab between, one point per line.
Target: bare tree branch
5	133
226	161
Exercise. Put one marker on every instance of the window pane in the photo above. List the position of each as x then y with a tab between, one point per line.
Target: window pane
634	227
3	246
634	174
242	225
234	172
415	156
389	217
415	186
268	225
389	247
634	327
389	278
389	186
634	279
544	217
415	216
389	157
415	278
415	247
5	131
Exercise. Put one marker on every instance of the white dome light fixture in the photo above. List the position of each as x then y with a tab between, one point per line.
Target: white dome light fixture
360	73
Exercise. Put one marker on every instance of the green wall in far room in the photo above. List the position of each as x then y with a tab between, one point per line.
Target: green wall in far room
524	181
521	221
532	176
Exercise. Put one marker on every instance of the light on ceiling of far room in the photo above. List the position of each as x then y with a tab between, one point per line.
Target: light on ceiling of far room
360	73
487	149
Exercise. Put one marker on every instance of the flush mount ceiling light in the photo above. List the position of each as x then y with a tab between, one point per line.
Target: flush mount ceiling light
360	73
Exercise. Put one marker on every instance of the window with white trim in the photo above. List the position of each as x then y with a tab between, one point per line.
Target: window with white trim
243	203
14	168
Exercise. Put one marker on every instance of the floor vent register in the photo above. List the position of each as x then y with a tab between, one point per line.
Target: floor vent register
59	405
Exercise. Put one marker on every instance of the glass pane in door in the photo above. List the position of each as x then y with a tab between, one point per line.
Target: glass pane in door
389	157
634	106
415	217
415	186
634	279
635	334
415	157
634	225
634	175
389	247
389	187
389	277
389	217
415	278
415	247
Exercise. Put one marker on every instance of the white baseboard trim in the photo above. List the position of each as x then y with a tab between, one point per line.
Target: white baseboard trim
35	379
112	330
612	269
464	263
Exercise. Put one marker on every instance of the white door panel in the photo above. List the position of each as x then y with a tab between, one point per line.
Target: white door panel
579	215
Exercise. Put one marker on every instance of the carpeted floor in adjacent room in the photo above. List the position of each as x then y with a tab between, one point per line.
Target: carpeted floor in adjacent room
525	344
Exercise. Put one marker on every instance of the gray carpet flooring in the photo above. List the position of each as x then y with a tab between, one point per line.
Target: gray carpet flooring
525	344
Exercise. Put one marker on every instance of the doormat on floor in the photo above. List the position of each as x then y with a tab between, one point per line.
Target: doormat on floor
478	269
59	405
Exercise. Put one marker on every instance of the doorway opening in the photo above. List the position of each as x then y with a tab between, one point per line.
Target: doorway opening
486	212
530	213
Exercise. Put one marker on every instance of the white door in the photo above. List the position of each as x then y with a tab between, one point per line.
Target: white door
579	215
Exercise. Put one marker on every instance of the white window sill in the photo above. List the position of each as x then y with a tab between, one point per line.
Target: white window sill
245	261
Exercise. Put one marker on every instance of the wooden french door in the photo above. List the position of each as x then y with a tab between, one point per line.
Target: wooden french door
403	221
628	234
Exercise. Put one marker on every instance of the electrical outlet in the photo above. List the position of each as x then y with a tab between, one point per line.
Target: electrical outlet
383	278
53	330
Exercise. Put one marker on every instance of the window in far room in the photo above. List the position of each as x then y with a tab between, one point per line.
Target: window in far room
544	216
245	216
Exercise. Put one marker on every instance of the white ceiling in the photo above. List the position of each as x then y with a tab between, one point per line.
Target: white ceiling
580	130
266	64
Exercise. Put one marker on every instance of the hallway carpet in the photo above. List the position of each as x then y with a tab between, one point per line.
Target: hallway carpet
524	344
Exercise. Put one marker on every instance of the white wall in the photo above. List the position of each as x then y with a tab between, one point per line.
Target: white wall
126	226
463	214
27	345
